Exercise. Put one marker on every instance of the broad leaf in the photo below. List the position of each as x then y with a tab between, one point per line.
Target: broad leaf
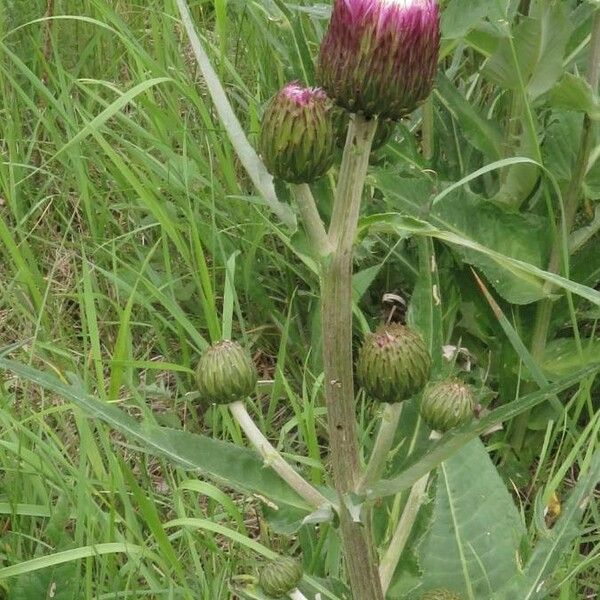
562	356
460	16
472	546
463	213
227	463
534	55
524	272
575	93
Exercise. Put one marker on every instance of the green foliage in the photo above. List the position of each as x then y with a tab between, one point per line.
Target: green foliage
476	531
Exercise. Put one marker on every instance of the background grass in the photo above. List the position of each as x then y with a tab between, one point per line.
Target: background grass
129	239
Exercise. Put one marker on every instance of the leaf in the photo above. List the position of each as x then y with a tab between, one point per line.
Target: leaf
533	582
227	463
561	356
417	466
524	272
460	16
470	216
425	309
534	54
575	93
472	546
479	131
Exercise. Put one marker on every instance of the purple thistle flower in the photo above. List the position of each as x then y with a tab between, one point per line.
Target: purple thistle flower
379	57
296	140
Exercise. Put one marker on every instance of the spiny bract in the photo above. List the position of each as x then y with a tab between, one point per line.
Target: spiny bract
281	576
393	363
225	373
447	404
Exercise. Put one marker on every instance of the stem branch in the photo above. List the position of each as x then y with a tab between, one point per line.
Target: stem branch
311	219
382	447
390	560
274	459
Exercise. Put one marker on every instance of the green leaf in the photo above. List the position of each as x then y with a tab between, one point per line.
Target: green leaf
479	131
472	546
533	582
227	463
524	272
575	93
561	357
460	16
534	54
513	235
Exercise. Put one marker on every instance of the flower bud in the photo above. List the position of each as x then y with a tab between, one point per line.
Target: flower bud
225	373
379	57
440	595
341	121
281	576
296	140
447	404
393	363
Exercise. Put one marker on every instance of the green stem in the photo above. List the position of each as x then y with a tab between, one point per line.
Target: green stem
390	560
571	204
274	459
427	129
336	313
311	219
382	447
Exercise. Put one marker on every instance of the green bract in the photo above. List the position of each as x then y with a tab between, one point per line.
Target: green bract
225	373
393	363
281	576
296	140
447	404
440	595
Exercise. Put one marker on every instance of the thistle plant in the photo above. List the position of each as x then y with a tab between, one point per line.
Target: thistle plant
379	507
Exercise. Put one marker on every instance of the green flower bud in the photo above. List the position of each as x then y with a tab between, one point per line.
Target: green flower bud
281	576
225	373
440	595
393	363
341	121
447	404
296	140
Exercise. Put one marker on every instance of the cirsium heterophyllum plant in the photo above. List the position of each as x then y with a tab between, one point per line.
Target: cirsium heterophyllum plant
452	175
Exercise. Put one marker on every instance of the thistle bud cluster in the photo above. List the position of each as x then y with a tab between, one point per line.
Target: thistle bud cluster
378	58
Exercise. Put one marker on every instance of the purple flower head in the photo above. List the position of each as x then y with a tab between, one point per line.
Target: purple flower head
379	57
303	96
296	140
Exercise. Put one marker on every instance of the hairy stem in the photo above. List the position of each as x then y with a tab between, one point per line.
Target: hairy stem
382	447
390	560
571	204
336	311
311	219
274	459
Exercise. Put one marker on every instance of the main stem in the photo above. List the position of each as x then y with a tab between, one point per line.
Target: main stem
572	197
336	311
